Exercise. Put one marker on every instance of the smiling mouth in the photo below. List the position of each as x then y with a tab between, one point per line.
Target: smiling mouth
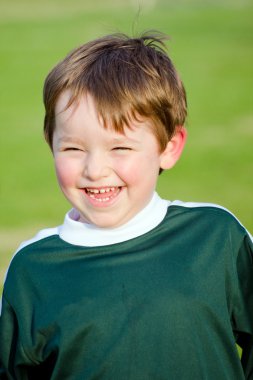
102	194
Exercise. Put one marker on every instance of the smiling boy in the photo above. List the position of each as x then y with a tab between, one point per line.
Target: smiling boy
103	173
130	286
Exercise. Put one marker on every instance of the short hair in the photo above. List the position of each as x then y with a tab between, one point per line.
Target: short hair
128	78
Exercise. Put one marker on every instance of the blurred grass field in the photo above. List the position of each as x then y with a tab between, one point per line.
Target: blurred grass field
211	45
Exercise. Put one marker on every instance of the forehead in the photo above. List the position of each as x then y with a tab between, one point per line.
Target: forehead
63	109
83	111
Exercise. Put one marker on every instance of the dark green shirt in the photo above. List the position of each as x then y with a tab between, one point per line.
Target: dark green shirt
167	305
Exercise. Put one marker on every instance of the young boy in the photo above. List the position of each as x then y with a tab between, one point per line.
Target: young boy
131	286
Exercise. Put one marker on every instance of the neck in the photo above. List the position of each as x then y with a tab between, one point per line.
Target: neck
85	234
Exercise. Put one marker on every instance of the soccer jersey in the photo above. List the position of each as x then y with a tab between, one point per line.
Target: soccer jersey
165	297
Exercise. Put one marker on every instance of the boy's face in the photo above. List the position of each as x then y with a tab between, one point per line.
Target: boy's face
108	177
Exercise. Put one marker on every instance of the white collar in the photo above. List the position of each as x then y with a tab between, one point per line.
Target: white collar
85	234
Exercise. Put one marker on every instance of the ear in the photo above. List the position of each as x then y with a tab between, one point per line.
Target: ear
174	149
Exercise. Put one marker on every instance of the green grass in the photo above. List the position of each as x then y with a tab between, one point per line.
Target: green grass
212	47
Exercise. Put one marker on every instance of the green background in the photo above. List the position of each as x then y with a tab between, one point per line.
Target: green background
211	44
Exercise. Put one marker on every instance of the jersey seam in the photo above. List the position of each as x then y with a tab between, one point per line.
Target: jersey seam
208	207
28	246
39	242
21	250
214	208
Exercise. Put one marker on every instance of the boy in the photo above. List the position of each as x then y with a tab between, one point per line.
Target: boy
130	287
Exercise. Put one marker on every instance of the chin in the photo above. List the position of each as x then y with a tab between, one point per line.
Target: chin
100	222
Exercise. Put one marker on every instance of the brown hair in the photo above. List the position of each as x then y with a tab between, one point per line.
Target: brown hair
127	78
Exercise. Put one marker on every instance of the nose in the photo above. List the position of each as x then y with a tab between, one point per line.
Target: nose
96	166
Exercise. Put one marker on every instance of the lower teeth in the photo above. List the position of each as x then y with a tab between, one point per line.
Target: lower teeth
103	199
99	199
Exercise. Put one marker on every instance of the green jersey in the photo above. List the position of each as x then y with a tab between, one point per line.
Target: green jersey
168	303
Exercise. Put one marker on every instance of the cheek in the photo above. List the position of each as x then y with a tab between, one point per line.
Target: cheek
65	172
131	171
143	170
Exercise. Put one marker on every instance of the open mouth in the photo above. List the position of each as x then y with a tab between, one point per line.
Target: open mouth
102	194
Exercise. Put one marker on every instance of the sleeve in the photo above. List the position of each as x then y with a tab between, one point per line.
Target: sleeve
243	305
12	355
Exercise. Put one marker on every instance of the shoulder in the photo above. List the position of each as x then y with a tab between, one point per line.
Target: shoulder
28	247
203	209
23	258
39	237
38	240
209	215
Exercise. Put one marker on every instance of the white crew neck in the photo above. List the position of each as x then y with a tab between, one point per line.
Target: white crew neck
84	234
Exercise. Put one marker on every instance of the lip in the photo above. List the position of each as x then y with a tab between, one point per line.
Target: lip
105	197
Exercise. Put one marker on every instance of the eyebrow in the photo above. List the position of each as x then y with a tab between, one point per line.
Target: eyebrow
115	140
70	139
123	140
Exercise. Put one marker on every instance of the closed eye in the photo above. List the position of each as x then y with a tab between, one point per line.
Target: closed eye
71	149
122	148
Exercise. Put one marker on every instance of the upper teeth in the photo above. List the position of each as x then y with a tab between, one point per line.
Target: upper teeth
101	191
